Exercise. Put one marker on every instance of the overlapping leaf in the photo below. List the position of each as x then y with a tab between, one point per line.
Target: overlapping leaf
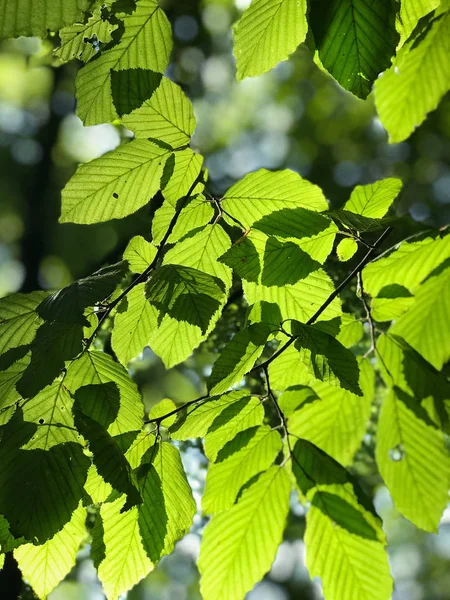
239	545
45	566
145	44
263	192
139	254
81	40
95	367
355	39
332	418
166	115
267	32
37	18
123	560
416	82
426	325
168	507
238	357
115	185
249	453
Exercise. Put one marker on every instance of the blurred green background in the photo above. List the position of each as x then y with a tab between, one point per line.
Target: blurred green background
295	117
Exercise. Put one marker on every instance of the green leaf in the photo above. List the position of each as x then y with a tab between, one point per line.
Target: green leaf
345	547
96	487
242	414
239	545
175	340
12	365
426	325
267	32
392	301
186	170
36	504
407	265
417	81
197	419
197	213
25	18
405	369
168	508
163	407
18	319
373	200
238	357
299	301
167	115
358	223
133	325
125	561
47	565
139	254
261	259
263	192
295	398
54	344
146	43
314	233
411	11
346	249
332	418
115	185
243	457
413	460
95	367
326	359
51	412
92	405
355	39
68	304
77	40
143	441
185	294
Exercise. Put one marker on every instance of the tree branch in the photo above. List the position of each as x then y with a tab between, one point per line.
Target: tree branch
359	267
143	276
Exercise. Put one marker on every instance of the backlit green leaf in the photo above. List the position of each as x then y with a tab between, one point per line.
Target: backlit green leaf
416	82
238	357
146	43
125	561
45	566
355	39
19	320
263	192
426	325
168	507
373	200
166	115
239	545
267	32
37	18
139	254
115	185
249	453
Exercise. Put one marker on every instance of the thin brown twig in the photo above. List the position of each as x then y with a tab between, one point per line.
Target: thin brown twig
143	276
359	267
368	316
